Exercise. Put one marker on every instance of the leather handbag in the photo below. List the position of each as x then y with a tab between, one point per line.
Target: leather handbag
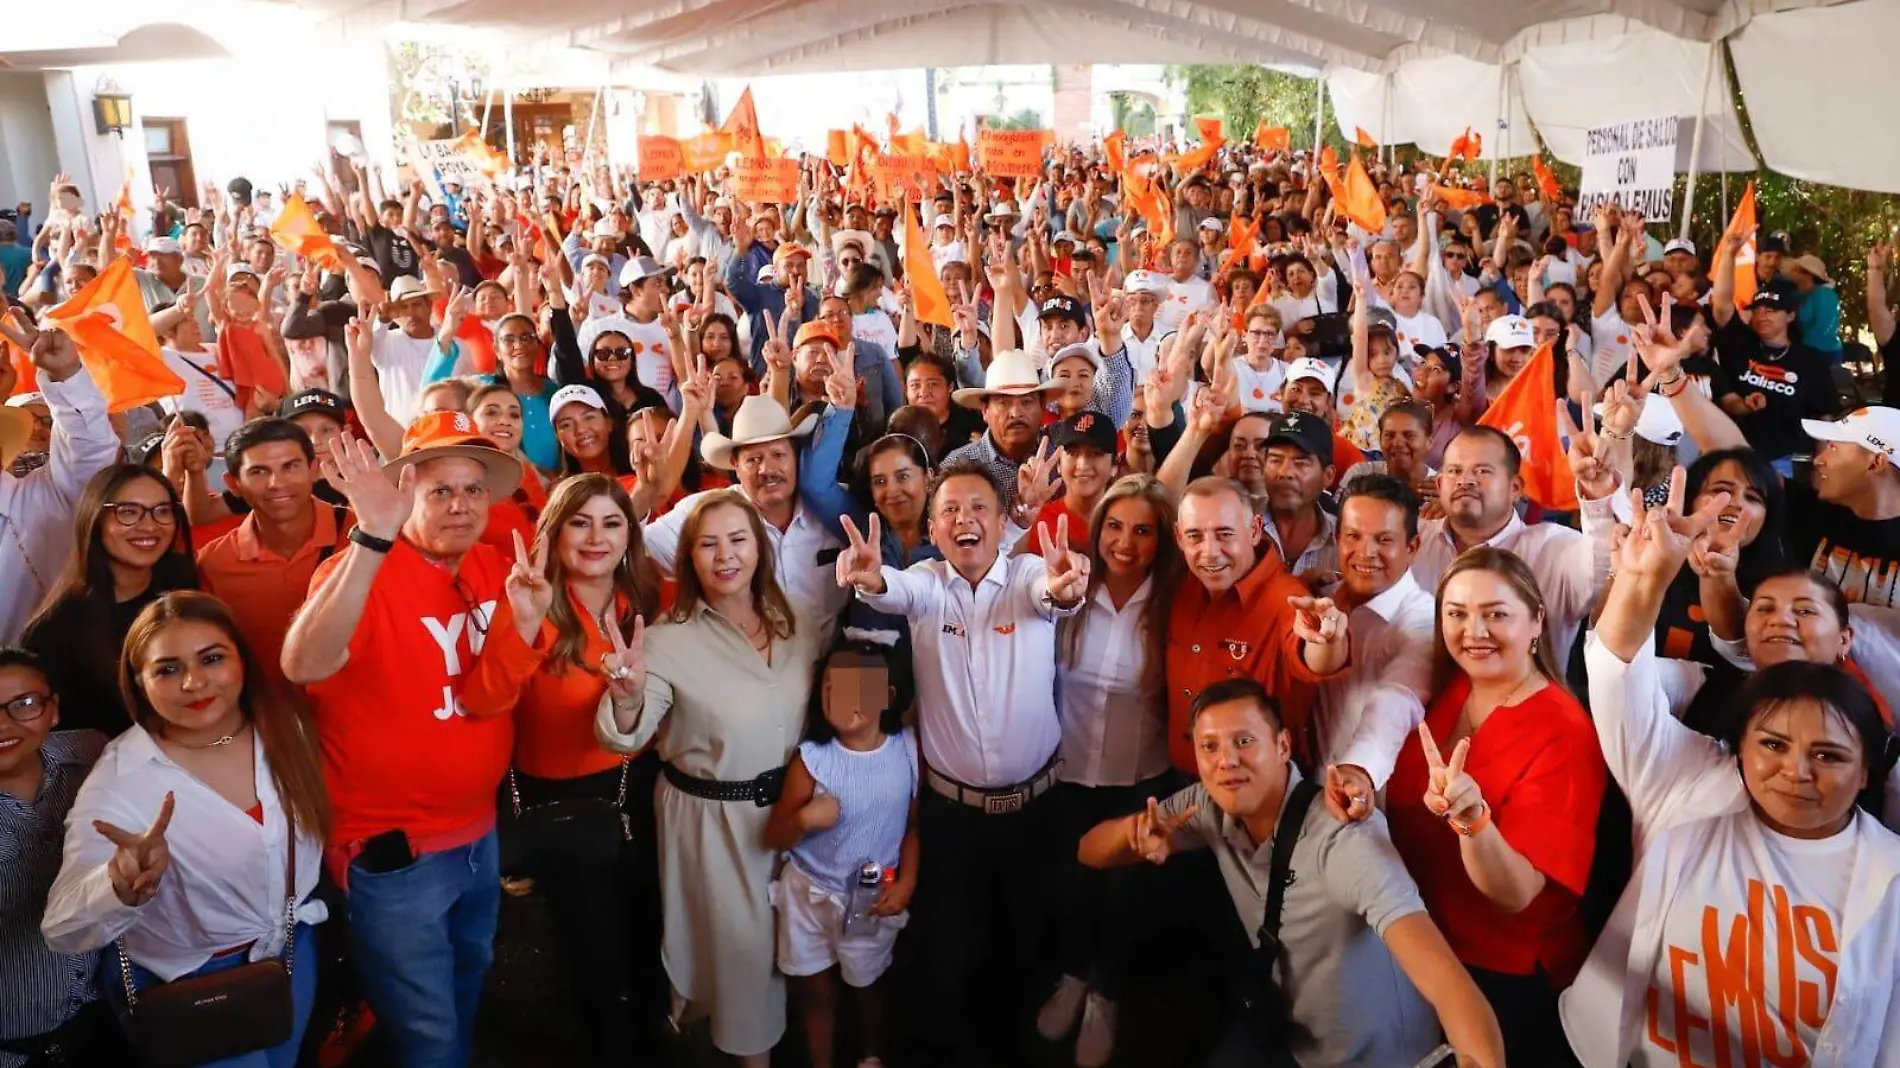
589	831
204	1018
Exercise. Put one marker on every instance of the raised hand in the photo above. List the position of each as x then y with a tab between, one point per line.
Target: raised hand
841	386
1449	791
1317	620
530	592
777	350
381	506
696	392
861	564
625	667
1348	792
1035	482
183	449
1589	456
140	860
1151	834
1068	570
1661	538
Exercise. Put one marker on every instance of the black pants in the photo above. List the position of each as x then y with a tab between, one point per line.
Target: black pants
606	914
983	880
1526	1007
1102	913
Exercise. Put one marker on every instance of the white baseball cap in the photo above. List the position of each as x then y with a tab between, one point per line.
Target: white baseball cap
1144	282
574	394
164	246
1680	244
1510	332
1081	350
595	257
237	270
1874	428
1213	224
1311	367
945	219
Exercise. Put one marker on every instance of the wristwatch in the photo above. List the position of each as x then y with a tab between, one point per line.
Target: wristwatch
370	541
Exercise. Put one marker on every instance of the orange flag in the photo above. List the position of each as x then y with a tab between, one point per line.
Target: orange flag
26	378
1272	138
1546	181
1360	200
1743	222
480	154
1241	236
1115	151
1329	170
705	152
296	230
123	205
1194	159
911	144
1527	414
1208	126
838	148
743	127
1458	198
1462	147
107	321
920	271
1362	138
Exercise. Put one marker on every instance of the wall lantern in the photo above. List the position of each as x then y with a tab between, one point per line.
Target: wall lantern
113	111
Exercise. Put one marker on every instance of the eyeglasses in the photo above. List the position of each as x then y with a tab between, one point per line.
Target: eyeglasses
130	514
28	706
514	339
613	355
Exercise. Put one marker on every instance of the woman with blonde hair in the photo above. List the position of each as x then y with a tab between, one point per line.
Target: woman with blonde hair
1510	778
194	844
729	678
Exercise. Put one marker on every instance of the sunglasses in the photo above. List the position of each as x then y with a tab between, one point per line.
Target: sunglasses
614	354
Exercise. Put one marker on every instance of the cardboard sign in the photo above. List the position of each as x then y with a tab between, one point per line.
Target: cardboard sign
660	159
902	178
1633	165
442	161
1013	153
765	181
705	152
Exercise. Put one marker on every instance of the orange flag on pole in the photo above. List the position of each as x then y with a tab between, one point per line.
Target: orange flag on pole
743	127
1527	414
107	321
838	148
1241	236
1208	126
1743	222
1272	138
296	230
920	271
480	154
26	378
1547	183
1360	201
1466	145
1459	198
1362	138
1115	151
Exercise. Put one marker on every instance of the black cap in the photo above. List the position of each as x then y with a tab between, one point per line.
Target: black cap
313	402
1774	298
1308	433
1772	243
1446	355
1089	428
1063	306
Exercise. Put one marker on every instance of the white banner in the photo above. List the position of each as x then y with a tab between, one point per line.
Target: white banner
449	163
1631	164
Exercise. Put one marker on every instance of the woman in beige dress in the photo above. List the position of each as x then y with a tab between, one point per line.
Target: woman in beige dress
720	688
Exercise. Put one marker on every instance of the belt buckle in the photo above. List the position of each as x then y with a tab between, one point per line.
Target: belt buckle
1004	804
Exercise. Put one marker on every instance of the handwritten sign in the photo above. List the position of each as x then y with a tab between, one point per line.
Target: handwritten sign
765	181
1631	164
660	159
1013	153
902	177
705	152
449	163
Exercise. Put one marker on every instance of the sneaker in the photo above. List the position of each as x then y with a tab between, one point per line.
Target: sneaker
1064	1007
1095	1043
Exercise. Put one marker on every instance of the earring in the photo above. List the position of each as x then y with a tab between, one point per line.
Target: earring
1534	641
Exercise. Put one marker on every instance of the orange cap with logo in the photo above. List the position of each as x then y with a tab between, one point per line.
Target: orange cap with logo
440	435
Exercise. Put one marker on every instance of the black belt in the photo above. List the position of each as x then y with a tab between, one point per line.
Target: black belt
762	791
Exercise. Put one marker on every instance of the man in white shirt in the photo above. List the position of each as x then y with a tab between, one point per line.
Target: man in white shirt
1187	291
1142	335
400	351
1479	485
1368	714
36	509
763	453
983	628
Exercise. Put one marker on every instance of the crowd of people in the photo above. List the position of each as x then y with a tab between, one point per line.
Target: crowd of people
916	651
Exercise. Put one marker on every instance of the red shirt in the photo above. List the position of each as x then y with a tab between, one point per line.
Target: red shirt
1051	513
1539	767
398	750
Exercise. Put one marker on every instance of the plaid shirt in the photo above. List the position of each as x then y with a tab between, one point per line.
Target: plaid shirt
983	450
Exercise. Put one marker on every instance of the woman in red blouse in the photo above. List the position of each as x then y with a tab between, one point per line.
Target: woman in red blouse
1495	811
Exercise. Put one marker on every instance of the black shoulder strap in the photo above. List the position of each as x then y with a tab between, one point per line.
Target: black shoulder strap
214	379
330	550
1280	867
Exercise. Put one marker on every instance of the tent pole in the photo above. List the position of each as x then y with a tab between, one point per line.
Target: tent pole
488	104
593	121
1319	111
508	119
1695	142
1728	101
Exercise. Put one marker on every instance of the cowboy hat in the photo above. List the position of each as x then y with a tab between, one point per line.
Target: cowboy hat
860	238
407	286
1012	373
439	435
1813	265
759	419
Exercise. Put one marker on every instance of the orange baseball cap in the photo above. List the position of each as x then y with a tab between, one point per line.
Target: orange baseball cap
787	250
436	435
815	331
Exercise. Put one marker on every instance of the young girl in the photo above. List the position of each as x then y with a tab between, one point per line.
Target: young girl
837	816
1374	378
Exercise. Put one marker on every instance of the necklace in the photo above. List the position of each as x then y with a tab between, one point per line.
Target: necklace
1464	714
223	739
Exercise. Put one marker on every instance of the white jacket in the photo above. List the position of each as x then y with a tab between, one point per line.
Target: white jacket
1683	787
36	512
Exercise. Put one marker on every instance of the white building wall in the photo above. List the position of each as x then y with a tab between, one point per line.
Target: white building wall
28	158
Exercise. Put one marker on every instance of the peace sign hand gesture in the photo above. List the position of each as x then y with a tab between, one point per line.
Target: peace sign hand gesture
1450	792
1590	457
1660	538
861	564
1151	834
777	351
530	592
1317	620
140	860
841	386
626	666
1034	482
1068	571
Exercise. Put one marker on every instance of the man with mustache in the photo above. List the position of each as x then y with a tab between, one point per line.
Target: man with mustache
1297	468
1479	485
1011	402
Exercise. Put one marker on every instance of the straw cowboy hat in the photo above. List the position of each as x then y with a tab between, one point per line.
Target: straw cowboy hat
860	238
759	419
436	435
408	286
1012	373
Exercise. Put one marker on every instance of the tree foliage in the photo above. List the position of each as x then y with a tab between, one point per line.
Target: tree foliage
1244	94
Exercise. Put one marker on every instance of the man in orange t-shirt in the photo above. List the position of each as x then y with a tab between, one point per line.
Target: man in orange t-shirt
384	645
1237	615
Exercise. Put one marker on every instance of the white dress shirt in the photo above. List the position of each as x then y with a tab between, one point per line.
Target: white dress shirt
985	660
810	583
1114	729
36	512
1368	714
225	886
1571	568
1143	354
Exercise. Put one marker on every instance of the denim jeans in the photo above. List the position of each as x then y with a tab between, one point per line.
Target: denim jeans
423	937
303	990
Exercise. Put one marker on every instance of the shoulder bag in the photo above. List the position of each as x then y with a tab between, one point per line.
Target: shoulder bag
1266	1009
